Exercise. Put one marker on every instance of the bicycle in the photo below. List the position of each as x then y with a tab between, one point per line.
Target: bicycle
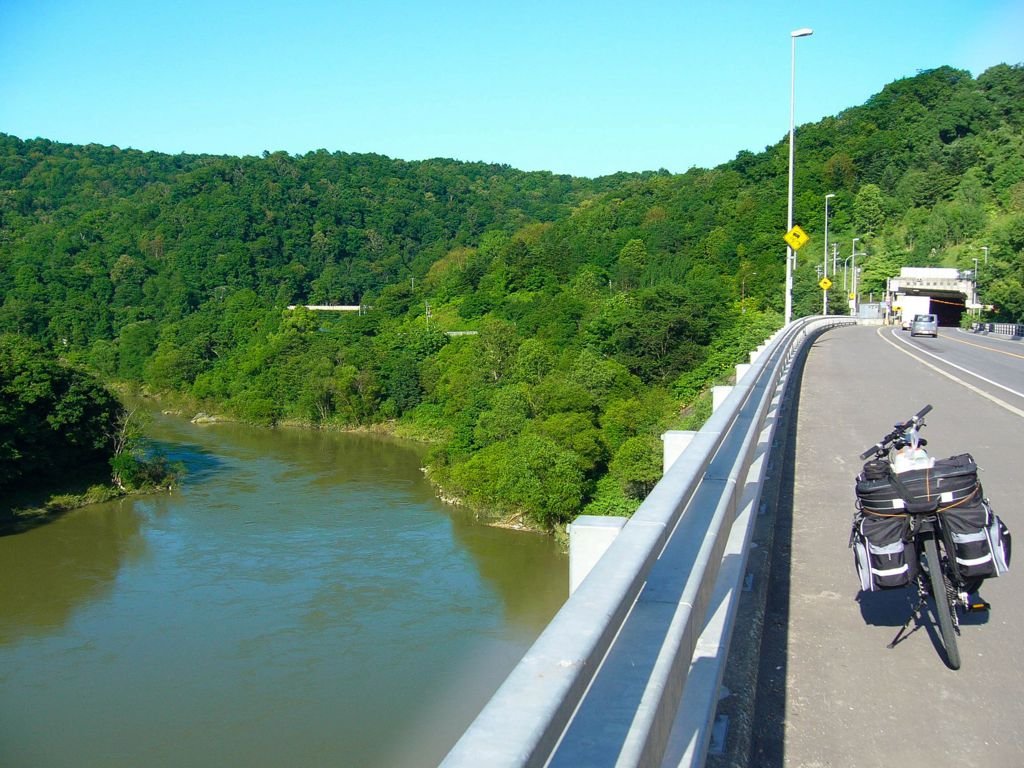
925	523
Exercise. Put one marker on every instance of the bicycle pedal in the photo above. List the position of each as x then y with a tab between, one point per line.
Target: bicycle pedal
978	606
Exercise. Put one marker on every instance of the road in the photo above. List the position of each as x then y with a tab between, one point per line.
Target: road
991	364
830	692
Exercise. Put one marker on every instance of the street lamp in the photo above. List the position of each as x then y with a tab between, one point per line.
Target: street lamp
976	285
853	277
824	293
803	32
853	255
743	291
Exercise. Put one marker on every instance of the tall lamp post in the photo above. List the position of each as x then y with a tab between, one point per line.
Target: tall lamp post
976	300
824	292
803	32
853	276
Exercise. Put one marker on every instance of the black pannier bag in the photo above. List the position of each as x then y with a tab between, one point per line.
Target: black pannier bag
881	552
951	481
981	540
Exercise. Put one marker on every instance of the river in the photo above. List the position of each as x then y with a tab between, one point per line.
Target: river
302	599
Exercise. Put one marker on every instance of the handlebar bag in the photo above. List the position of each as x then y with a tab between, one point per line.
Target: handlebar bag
881	554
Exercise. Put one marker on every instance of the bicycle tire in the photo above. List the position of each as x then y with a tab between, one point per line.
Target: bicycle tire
944	607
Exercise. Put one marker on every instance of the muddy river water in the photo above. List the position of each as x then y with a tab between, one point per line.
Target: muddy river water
302	599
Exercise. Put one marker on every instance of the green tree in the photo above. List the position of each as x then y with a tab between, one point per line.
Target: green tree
637	465
869	210
134	345
528	476
52	418
876	270
576	432
631	264
507	417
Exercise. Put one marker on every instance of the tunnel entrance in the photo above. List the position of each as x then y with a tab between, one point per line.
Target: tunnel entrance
944	292
949	310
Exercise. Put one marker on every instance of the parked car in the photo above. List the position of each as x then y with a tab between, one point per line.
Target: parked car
925	325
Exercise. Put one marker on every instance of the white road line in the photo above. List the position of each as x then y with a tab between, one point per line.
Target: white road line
961	368
948	375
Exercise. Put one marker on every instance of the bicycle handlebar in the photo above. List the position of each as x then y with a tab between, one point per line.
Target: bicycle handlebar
917	420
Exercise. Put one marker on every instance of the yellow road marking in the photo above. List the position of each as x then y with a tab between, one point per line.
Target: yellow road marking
982	346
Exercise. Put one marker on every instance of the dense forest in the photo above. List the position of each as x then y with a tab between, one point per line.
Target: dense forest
599	309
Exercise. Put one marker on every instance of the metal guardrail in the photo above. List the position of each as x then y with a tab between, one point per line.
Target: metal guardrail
1015	330
627	673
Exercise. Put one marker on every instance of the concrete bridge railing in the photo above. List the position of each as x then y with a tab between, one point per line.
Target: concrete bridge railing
628	671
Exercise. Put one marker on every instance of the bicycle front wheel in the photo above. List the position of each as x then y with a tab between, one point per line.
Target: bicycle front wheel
944	607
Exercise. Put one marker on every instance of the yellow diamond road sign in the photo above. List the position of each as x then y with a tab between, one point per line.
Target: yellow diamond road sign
824	283
796	238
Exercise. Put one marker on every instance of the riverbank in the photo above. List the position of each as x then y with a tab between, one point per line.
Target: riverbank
208	413
30	509
30	506
18	518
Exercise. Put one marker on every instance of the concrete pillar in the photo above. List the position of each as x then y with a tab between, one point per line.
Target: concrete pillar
741	371
718	395
673	443
589	538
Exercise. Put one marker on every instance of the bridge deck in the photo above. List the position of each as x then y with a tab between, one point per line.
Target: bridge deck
830	692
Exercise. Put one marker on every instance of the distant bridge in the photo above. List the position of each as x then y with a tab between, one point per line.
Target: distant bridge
330	307
361	309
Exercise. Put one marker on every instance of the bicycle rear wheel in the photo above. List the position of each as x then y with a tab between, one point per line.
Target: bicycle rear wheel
944	607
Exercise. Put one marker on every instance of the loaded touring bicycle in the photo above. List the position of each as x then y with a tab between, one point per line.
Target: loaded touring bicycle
925	524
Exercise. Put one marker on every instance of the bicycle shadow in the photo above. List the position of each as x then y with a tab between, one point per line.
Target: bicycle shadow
892	607
903	609
887	608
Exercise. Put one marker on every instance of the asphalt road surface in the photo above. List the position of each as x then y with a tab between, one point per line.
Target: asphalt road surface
830	693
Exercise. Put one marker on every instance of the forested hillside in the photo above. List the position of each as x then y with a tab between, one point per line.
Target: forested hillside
601	307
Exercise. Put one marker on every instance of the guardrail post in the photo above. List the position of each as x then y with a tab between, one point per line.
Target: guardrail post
718	395
589	538
673	443
741	371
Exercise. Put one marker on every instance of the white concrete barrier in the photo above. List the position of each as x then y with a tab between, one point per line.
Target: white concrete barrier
589	538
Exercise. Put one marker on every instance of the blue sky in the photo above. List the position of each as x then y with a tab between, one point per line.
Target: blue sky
586	88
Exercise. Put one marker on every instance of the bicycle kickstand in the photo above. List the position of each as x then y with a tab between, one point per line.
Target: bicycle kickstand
915	613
